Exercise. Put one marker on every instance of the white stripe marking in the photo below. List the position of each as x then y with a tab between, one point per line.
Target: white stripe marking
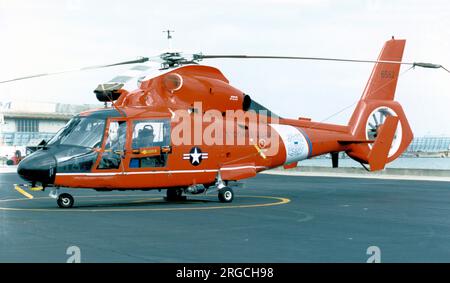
160	172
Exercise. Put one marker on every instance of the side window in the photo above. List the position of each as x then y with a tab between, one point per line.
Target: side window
148	140
115	145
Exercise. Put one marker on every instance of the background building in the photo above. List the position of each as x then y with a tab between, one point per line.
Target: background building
25	123
429	146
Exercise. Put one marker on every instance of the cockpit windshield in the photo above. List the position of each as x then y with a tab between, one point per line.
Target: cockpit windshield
80	131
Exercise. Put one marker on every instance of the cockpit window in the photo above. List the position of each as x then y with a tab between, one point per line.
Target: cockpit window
149	133
81	131
149	137
115	145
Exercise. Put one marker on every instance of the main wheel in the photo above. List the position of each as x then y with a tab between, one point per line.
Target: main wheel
174	195
226	194
65	200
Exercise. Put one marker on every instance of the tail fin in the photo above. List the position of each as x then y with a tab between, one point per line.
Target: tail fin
376	104
383	80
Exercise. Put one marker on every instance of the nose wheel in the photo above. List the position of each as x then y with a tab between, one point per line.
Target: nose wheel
65	200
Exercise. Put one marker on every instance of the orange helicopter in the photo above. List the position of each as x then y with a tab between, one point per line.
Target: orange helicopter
187	130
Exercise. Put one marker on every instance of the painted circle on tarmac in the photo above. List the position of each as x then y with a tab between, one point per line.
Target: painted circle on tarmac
119	203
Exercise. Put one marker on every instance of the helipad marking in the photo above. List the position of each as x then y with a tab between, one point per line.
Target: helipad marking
279	201
23	192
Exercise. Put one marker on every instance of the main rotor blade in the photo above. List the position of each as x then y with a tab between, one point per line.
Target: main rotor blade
414	64
140	60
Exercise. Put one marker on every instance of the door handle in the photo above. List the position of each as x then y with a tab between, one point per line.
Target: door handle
166	149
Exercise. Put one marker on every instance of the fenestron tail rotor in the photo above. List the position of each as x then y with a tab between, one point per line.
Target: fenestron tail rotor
375	121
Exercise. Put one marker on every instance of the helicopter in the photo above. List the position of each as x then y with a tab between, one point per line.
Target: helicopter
187	130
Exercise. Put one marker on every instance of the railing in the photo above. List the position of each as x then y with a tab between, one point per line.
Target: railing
429	144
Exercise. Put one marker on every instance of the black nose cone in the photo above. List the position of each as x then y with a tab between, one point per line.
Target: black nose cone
38	167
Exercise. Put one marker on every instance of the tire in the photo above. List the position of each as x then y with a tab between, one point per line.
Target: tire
226	194
174	194
65	200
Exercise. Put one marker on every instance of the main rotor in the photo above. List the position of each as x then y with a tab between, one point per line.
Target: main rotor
173	59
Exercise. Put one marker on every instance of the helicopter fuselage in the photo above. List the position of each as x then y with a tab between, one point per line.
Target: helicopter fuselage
187	126
104	150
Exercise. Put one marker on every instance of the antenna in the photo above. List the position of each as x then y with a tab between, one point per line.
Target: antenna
169	37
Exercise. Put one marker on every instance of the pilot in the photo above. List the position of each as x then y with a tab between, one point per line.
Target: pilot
116	136
114	147
112	135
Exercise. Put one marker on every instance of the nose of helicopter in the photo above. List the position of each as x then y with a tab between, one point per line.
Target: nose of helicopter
38	167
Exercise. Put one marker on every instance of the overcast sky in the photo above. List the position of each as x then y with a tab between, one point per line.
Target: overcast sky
41	36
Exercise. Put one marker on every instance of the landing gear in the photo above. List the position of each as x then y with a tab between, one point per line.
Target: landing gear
226	194
175	195
65	200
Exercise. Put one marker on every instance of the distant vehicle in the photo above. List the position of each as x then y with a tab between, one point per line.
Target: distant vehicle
15	159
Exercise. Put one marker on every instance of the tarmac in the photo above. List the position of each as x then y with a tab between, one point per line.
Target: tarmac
352	172
274	218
